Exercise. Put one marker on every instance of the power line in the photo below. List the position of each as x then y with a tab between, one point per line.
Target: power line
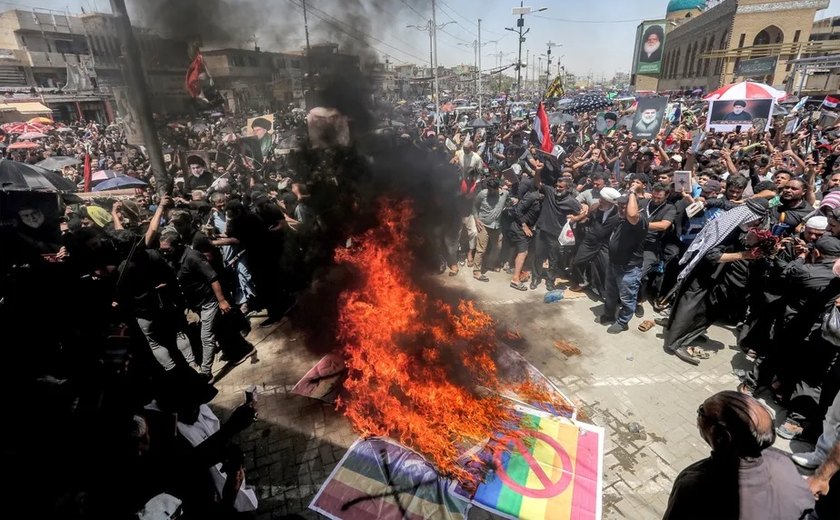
418	13
566	20
471	21
336	23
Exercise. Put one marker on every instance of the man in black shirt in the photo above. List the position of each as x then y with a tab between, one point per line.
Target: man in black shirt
660	216
558	206
202	291
521	235
624	272
793	208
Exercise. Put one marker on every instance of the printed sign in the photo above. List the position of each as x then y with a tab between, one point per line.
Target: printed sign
650	113
649	47
129	119
727	116
551	468
757	67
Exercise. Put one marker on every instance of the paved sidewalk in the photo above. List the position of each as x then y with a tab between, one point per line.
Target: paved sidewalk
646	400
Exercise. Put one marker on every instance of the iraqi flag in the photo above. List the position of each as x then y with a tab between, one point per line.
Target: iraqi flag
541	133
831	102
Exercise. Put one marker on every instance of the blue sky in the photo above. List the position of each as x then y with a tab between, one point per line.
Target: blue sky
596	35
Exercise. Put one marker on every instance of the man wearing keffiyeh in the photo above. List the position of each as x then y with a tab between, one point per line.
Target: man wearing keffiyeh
710	276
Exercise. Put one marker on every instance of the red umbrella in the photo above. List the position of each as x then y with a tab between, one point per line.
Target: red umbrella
22	128
22	145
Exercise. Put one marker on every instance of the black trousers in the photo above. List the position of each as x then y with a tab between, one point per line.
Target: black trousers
548	248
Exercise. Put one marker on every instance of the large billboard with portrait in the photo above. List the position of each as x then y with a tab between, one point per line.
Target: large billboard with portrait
740	114
649	47
650	113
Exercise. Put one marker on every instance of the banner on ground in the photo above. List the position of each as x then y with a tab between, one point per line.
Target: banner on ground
323	381
378	478
741	114
554	470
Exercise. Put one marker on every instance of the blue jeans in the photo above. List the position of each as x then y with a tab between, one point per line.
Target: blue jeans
622	290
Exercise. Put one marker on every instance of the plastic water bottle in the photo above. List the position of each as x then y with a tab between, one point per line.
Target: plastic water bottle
553	296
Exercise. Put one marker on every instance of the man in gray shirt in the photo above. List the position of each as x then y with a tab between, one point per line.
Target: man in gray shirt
487	211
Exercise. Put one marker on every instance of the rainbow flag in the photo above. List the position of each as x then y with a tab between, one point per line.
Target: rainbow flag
378	478
554	473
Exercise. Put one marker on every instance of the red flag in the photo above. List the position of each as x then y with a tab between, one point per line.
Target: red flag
192	82
544	132
87	172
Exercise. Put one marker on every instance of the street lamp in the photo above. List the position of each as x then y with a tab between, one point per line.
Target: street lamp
520	23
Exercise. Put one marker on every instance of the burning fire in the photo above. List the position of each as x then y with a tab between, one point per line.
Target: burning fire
405	352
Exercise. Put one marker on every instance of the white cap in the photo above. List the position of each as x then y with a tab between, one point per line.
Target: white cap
610	194
677	157
817	222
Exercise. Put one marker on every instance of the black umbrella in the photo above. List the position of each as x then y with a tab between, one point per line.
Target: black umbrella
587	103
58	162
18	176
479	123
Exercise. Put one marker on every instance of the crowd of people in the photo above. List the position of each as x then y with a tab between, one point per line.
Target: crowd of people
143	291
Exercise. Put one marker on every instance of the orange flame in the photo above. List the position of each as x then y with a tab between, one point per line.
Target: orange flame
405	351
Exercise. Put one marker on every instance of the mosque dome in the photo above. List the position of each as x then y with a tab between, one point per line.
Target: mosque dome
685	5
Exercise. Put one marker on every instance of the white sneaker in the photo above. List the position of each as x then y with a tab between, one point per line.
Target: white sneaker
807	460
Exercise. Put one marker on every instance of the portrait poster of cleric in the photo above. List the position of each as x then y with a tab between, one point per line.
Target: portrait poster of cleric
727	116
259	142
650	113
650	48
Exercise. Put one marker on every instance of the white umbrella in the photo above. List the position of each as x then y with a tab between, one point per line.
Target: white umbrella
745	90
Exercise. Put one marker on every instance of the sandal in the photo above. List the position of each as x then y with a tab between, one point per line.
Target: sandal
519	286
682	353
646	325
453	272
789	430
482	278
697	352
746	389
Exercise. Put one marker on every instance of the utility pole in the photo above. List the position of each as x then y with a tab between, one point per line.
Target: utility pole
520	24
309	83
430	27
548	67
527	66
434	66
135	78
478	72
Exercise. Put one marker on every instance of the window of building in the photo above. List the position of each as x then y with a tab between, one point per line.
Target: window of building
796	36
769	35
741	40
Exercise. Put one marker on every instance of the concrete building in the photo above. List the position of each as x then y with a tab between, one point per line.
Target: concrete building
70	63
712	43
819	73
255	80
705	51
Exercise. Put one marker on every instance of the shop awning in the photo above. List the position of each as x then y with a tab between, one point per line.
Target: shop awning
30	107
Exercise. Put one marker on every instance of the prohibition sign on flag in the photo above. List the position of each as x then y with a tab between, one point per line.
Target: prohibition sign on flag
546	486
553	470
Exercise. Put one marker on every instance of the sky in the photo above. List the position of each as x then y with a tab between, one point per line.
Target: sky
593	37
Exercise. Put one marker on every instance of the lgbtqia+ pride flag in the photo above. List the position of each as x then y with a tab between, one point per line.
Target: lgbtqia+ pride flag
554	473
378	478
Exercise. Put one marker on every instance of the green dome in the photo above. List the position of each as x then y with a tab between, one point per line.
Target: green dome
684	5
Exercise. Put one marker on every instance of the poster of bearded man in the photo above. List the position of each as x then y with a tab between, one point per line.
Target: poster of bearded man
650	112
649	43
